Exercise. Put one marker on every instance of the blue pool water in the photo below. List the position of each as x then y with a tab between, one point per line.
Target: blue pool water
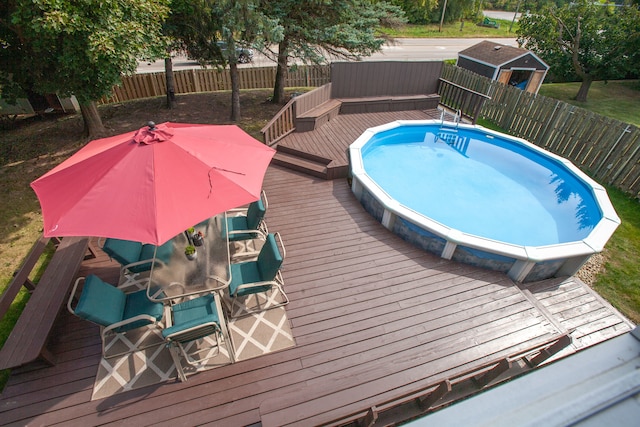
482	184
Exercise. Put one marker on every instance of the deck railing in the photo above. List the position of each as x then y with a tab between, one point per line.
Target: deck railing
459	98
428	398
281	125
312	99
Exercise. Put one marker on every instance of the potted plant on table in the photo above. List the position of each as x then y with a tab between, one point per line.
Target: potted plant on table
190	252
198	238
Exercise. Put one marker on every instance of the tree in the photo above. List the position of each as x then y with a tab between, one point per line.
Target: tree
77	48
417	11
583	39
455	10
237	24
345	29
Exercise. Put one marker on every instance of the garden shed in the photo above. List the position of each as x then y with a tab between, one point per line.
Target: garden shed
506	64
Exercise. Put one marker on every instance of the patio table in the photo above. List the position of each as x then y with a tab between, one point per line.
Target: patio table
208	272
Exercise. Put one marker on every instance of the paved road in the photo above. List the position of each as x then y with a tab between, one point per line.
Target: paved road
401	50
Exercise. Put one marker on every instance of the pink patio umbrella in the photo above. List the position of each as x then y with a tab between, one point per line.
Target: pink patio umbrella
152	184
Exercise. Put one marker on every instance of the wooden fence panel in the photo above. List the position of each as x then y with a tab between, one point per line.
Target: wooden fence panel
214	79
605	148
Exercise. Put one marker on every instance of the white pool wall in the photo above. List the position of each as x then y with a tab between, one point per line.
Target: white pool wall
521	263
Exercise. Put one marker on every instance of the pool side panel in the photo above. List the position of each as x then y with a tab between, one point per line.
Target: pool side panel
484	259
419	236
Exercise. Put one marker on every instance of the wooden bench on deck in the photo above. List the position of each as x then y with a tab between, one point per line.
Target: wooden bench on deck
317	116
379	104
27	343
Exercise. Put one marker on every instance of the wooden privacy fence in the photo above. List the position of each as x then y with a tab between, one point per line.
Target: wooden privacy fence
210	80
605	148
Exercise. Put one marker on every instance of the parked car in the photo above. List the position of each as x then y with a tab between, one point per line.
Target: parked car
244	54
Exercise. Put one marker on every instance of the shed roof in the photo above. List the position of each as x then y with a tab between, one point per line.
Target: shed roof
496	54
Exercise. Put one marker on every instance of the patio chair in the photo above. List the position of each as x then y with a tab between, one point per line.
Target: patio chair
245	223
114	311
193	320
258	277
136	257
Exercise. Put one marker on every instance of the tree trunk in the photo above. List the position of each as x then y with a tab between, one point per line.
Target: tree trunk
281	72
584	88
171	87
235	91
93	126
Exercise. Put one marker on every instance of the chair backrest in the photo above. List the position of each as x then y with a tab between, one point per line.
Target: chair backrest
270	259
100	302
123	251
255	214
163	252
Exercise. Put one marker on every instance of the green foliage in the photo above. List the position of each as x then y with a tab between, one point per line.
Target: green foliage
620	282
533	6
429	11
584	39
346	29
618	99
417	11
467	29
239	23
79	48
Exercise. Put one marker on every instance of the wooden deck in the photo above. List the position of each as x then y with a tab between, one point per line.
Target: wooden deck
373	318
332	139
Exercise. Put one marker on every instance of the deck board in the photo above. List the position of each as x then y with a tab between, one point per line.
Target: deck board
373	317
332	139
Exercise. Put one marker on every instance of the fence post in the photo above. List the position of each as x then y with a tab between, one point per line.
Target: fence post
613	147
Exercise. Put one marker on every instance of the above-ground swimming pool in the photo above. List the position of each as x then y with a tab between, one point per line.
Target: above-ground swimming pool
481	197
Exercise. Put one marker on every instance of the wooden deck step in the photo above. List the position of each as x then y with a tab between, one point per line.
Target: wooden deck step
314	157
300	164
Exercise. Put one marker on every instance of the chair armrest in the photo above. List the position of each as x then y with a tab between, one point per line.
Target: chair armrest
223	283
257	285
124	268
261	234
284	250
137	318
73	294
191	333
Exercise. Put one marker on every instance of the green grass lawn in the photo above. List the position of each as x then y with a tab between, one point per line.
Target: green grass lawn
620	282
454	30
618	99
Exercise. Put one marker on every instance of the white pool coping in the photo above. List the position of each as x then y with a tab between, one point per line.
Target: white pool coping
591	244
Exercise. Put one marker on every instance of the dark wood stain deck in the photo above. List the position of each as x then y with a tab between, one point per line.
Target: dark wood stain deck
332	140
373	317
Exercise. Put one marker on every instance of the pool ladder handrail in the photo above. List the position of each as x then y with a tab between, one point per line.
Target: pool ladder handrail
456	117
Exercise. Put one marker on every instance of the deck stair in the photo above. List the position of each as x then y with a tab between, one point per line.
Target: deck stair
301	161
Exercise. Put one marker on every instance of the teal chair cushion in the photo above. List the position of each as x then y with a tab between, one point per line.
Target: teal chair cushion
193	313
269	259
164	251
123	251
138	303
243	273
127	252
148	251
255	214
101	302
262	270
